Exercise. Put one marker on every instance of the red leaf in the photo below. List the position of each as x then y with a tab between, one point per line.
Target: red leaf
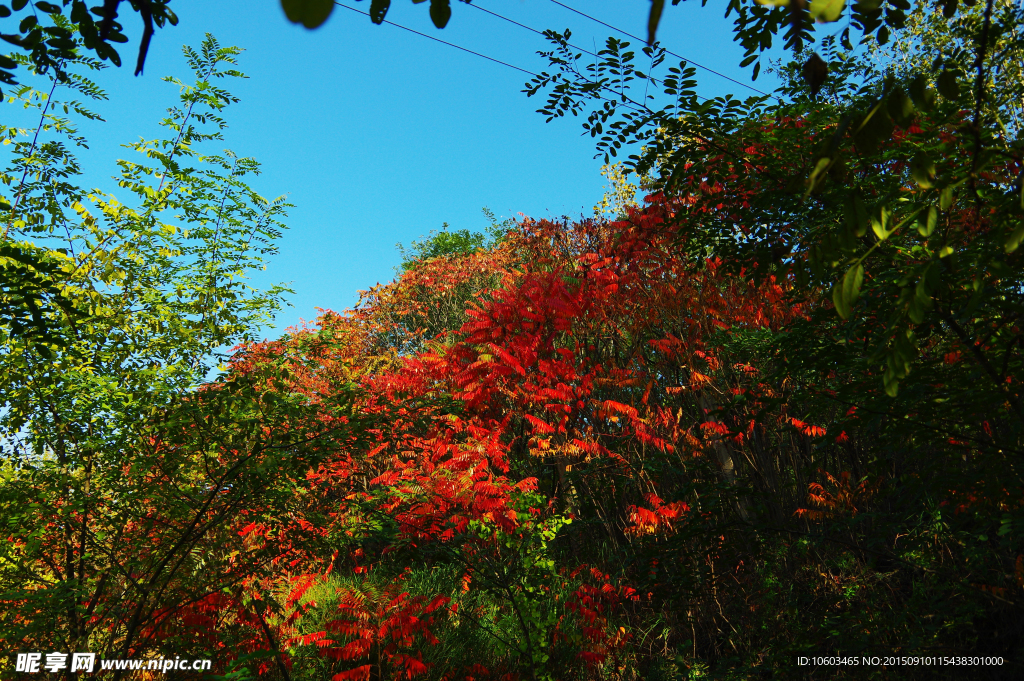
361	673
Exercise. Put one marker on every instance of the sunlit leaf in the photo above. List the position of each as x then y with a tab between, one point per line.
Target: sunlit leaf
827	10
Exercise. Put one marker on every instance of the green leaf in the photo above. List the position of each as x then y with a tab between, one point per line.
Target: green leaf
819	168
946	199
856	215
309	13
891	383
900	106
948	85
874	128
922	94
999	269
920	303
845	293
827	11
1014	240
927	228
922	168
880	223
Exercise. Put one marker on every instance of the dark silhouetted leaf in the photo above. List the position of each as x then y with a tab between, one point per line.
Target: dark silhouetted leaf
309	13
654	19
815	72
900	107
440	12
947	85
379	10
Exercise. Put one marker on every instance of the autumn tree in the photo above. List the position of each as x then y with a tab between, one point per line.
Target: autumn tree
126	487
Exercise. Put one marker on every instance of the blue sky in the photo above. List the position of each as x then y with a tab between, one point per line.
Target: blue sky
378	135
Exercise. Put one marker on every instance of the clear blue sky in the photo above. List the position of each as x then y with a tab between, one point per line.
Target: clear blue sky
378	135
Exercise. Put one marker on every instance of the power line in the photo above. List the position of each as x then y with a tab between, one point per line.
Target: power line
568	44
464	49
624	100
443	42
679	56
541	33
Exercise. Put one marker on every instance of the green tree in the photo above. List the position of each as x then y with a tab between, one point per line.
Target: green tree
878	184
445	243
123	487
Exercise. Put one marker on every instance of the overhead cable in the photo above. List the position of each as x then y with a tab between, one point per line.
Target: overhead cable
478	54
678	56
443	42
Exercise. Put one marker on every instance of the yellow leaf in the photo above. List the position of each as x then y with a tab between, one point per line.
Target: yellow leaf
880	224
1014	240
827	11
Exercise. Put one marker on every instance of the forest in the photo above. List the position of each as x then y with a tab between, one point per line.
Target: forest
765	406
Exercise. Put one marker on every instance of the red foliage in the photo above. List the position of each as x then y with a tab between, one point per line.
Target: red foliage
385	626
536	369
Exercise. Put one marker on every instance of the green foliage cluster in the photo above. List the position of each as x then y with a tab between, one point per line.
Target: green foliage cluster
444	243
114	472
830	203
53	39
